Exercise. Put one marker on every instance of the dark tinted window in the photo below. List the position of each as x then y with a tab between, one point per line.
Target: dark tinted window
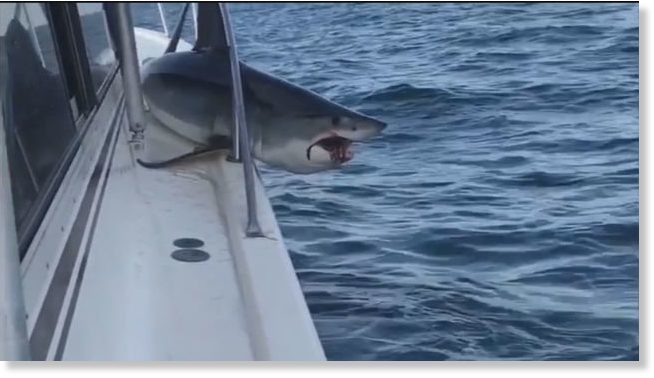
36	113
96	39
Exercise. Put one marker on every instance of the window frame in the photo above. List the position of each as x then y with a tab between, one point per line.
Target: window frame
65	28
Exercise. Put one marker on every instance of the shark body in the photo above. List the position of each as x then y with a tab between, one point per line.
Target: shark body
290	127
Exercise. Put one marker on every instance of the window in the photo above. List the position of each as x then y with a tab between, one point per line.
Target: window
97	41
37	117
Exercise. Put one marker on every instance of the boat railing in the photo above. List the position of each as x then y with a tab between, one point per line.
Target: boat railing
164	20
162	16
241	151
130	71
240	138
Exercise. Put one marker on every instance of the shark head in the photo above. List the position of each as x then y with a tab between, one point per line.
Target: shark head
302	131
308	144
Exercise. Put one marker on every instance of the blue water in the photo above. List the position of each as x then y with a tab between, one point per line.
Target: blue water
497	217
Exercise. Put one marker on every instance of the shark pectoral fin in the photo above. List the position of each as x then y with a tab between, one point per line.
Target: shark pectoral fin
214	143
173	160
219	142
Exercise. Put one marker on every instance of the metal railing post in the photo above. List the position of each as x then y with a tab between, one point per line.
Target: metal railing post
240	137
129	66
163	19
194	11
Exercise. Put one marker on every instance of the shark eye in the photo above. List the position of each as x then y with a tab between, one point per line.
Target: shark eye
354	128
336	121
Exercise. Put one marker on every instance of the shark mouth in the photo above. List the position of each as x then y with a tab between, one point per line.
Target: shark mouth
337	146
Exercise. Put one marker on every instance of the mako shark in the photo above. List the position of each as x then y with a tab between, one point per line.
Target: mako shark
290	127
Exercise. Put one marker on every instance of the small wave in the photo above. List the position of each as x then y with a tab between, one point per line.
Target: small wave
431	184
346	247
503	56
612	233
541	179
292	199
572	145
581	276
399	137
552	34
545	34
541	88
618	142
502	162
407	92
355	191
509	161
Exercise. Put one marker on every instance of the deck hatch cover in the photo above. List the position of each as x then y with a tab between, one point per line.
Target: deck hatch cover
190	255
188	243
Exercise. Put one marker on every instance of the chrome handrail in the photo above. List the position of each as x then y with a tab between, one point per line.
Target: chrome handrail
164	22
194	10
129	66
240	137
162	16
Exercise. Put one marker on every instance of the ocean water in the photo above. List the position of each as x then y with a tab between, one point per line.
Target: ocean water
497	217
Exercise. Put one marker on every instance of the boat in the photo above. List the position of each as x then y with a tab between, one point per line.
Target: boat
102	259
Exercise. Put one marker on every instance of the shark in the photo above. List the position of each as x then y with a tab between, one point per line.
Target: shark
290	127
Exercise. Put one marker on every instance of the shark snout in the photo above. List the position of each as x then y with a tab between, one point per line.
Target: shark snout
379	125
366	128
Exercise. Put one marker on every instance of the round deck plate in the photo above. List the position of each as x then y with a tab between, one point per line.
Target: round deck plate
190	255
188	243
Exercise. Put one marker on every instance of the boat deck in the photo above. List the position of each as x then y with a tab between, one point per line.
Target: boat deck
133	290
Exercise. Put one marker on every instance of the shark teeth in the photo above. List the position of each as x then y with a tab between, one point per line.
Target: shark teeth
337	146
